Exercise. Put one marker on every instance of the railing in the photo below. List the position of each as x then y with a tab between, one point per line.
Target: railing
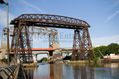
10	72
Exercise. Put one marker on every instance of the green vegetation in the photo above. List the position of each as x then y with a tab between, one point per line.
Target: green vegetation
82	62
104	50
4	60
113	48
99	52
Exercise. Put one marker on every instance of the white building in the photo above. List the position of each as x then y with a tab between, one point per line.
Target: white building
111	56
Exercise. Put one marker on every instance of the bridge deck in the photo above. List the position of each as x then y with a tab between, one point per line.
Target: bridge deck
35	49
46	20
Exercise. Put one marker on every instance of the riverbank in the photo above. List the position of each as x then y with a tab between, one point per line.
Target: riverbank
97	63
3	65
110	60
29	65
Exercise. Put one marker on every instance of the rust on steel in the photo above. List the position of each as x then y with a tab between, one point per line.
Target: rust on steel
34	49
51	21
82	46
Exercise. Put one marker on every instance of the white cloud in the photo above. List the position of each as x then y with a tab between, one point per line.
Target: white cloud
105	40
3	18
111	16
115	4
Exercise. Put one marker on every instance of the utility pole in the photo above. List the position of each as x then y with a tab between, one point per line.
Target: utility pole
6	3
8	35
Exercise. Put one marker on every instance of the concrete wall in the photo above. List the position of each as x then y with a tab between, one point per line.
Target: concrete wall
57	55
3	51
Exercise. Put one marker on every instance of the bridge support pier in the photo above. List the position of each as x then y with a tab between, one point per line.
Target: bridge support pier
57	55
35	58
76	44
50	56
82	46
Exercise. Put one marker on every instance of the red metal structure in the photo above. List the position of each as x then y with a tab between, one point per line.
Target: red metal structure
81	45
35	49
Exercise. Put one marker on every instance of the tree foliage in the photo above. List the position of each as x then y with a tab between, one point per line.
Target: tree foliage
113	48
100	51
4	60
103	50
44	59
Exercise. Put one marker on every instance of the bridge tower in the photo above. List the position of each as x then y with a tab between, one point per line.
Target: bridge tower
21	40
54	43
77	44
82	46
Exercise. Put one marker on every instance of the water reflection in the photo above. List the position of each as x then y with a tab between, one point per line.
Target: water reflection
83	72
29	73
62	71
112	65
76	72
52	71
55	71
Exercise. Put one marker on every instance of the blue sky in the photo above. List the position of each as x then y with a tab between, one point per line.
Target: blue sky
102	15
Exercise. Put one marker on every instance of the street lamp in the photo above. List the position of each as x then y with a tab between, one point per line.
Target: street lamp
6	3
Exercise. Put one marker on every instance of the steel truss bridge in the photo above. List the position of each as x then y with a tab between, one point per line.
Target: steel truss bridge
26	22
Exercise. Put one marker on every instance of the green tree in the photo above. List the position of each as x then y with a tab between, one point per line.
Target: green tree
113	48
44	59
4	60
100	51
103	50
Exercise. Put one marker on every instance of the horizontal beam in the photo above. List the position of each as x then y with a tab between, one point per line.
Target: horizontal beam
47	20
34	49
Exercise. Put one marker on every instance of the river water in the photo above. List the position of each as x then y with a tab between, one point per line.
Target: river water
63	71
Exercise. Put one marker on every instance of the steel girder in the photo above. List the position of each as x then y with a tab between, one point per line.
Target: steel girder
53	38
82	45
56	21
21	40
